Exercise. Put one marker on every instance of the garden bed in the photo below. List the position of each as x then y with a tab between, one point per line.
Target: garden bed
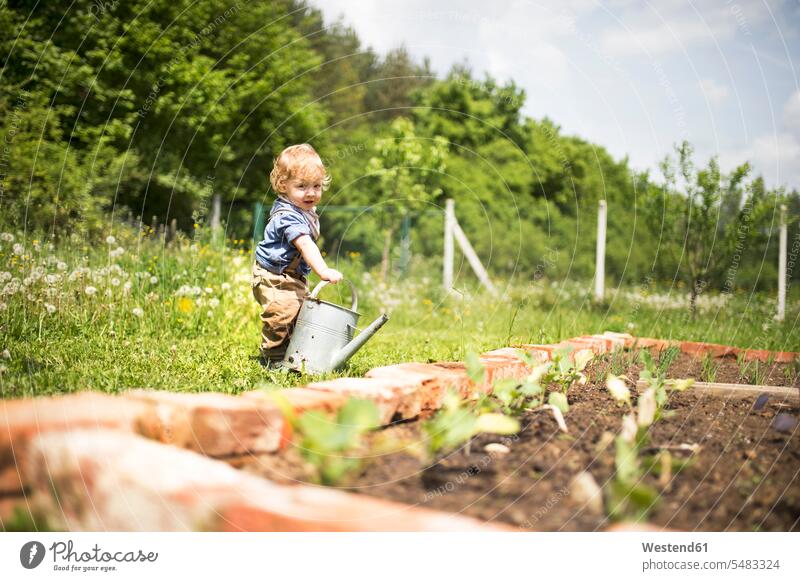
726	369
742	473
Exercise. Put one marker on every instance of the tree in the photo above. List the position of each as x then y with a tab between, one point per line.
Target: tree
702	218
470	112
392	83
153	104
340	81
403	164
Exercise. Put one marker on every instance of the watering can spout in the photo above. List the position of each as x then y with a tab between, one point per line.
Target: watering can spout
356	343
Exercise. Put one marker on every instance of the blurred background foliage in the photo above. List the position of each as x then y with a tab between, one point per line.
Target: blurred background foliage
146	109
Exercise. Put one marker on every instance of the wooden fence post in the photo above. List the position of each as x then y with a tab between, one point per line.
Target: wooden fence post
405	244
600	257
782	243
173	230
216	211
449	220
472	258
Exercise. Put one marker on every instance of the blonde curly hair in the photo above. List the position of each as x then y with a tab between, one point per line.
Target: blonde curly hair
298	162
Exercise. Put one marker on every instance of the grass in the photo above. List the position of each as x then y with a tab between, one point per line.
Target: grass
709	369
183	317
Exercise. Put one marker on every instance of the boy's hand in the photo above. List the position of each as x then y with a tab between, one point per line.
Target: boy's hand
331	275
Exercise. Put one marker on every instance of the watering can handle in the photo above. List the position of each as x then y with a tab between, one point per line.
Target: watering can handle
353	293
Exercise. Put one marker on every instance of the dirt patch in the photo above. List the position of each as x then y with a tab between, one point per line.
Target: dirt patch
714	370
743	475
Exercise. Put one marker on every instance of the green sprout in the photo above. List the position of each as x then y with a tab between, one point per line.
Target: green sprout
328	442
744	367
458	421
666	358
562	372
758	373
708	373
628	496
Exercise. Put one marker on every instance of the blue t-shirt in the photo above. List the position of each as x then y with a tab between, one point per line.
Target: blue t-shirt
276	251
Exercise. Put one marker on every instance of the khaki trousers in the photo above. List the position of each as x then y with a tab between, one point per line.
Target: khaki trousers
280	297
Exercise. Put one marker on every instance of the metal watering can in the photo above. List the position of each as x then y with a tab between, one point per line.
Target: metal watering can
322	339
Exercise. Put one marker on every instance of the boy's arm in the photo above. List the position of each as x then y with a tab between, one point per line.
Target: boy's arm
313	258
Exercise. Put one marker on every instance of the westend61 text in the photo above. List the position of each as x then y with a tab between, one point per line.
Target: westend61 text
670	548
65	552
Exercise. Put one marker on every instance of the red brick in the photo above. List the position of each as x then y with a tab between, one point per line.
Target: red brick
215	424
301	399
431	380
764	355
756	354
455	373
22	419
785	356
512	352
110	481
613	342
320	509
503	366
700	350
541	352
657	344
599	343
392	395
626	338
580	343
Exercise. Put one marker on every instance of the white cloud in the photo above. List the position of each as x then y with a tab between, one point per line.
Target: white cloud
775	156
571	58
525	40
780	151
791	112
676	25
714	92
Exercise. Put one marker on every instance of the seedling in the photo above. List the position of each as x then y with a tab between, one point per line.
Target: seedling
667	358
567	371
708	373
458	421
562	372
655	377
790	372
328	442
744	366
475	370
515	396
758	373
628	495
619	361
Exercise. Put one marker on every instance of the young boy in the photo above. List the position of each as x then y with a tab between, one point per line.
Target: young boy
289	252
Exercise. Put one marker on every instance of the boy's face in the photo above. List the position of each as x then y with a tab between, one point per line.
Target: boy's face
303	193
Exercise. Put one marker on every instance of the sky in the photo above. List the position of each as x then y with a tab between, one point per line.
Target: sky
634	76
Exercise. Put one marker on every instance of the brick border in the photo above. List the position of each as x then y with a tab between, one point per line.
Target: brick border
67	439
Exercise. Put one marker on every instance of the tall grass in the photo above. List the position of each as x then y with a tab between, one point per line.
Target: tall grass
128	311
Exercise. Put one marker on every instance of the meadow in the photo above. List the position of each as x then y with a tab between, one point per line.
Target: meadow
130	311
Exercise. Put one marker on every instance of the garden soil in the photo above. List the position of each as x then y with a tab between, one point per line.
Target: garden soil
742	474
